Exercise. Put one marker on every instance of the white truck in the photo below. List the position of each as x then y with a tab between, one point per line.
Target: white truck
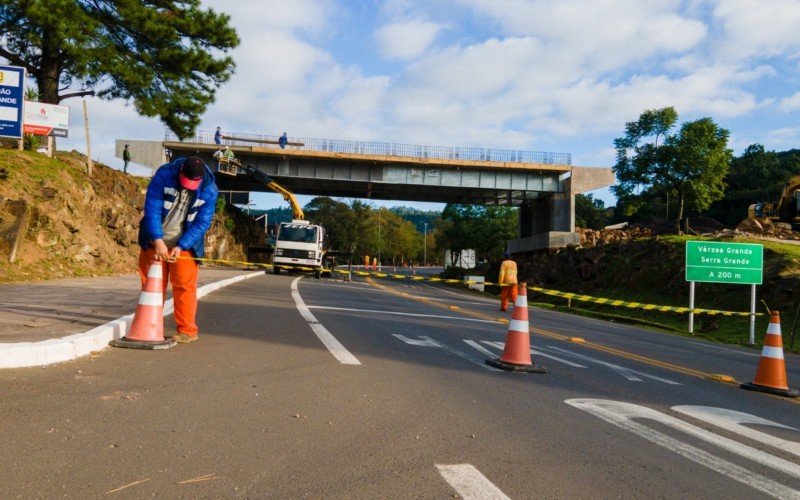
300	245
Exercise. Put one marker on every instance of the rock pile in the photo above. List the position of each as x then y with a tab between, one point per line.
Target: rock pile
768	228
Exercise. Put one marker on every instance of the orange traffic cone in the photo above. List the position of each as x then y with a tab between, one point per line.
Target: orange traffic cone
517	351
147	327
771	372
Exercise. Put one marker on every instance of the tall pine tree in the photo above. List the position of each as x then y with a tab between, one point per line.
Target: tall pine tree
167	57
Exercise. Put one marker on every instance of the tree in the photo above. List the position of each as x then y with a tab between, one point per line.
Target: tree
483	229
589	213
690	165
167	56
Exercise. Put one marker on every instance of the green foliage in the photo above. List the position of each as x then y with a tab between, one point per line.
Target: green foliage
755	176
484	229
230	224
166	56
590	213
417	217
220	204
31	142
689	166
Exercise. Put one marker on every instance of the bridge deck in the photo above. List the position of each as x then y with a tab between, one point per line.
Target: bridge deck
388	171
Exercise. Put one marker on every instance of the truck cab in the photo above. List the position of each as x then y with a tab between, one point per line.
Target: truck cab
299	245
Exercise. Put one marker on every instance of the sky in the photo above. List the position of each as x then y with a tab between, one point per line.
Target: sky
537	75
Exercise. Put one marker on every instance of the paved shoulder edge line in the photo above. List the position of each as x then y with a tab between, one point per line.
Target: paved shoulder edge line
47	352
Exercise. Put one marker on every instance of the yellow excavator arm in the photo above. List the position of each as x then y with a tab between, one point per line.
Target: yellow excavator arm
297	212
787	206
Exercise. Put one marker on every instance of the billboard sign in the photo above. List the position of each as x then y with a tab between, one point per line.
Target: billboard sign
12	87
46	119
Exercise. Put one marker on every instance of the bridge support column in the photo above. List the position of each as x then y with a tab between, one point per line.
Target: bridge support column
548	222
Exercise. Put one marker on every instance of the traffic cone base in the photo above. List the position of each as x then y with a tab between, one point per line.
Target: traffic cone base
143	344
771	372
517	349
511	367
787	393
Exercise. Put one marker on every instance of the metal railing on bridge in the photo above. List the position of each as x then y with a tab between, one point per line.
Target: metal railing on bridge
384	148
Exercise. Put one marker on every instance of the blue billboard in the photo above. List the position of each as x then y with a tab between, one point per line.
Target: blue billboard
12	87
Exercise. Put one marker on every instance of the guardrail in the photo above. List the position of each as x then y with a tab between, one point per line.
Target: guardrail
386	148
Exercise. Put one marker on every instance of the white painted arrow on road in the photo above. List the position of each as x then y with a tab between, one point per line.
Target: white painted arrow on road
628	416
429	342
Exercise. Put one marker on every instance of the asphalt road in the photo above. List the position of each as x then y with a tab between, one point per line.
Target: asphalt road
363	390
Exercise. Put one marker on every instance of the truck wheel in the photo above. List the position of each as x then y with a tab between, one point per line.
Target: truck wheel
276	270
317	273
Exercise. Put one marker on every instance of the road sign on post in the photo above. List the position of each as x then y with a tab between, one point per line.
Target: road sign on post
723	262
12	87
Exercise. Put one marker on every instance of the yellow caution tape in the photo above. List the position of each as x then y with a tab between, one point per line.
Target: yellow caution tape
554	293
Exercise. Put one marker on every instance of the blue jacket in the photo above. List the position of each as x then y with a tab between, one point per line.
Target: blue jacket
161	193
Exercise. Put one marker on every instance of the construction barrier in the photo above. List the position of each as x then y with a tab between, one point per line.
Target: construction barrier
771	371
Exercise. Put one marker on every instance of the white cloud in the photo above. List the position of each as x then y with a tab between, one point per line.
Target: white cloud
791	103
602	34
406	40
782	138
552	75
755	28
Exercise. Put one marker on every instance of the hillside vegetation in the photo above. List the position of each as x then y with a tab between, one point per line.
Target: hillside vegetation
65	223
635	266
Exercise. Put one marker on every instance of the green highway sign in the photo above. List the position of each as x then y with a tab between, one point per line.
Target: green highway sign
719	262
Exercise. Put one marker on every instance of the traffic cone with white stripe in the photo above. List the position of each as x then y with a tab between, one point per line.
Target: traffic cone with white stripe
517	350
771	372
147	327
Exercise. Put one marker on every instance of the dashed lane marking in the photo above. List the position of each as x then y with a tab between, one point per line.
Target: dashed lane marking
470	483
727	350
396	313
334	346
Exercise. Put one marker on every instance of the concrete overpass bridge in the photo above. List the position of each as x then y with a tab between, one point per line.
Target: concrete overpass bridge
542	185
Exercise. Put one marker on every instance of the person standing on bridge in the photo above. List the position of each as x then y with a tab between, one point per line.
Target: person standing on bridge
508	281
178	209
283	141
218	136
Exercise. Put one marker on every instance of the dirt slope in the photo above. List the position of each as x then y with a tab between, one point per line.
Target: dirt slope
63	223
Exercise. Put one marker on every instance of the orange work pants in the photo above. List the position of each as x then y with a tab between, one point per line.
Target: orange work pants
183	275
508	292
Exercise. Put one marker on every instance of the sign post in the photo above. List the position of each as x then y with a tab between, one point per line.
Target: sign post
723	262
12	102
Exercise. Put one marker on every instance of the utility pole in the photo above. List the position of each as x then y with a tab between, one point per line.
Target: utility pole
425	246
88	142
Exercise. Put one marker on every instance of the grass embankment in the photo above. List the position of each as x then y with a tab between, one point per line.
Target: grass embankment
651	271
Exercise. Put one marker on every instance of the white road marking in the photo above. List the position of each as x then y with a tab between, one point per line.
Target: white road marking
370	311
429	342
628	373
728	350
536	352
470	483
622	415
315	282
334	346
732	420
423	343
481	349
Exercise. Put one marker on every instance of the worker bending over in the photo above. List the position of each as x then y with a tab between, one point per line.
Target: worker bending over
507	281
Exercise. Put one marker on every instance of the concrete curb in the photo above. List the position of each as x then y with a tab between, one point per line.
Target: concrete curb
47	352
